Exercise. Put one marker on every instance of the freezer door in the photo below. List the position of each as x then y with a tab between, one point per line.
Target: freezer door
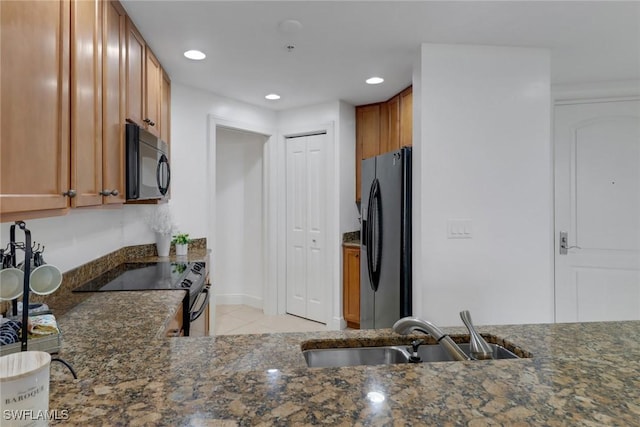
387	298
367	293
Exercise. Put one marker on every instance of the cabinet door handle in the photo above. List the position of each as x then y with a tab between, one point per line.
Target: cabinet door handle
71	193
151	123
109	193
147	121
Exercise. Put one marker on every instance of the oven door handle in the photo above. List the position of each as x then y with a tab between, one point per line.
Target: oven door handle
204	295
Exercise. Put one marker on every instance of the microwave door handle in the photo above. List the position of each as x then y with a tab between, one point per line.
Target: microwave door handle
163	184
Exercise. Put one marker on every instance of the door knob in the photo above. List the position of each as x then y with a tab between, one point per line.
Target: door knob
71	193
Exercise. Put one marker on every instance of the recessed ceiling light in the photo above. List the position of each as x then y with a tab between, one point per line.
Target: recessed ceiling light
375	80
273	96
196	55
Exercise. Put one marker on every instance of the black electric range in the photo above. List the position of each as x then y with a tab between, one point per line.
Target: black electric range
163	275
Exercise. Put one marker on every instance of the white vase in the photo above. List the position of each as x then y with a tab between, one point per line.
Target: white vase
163	243
182	249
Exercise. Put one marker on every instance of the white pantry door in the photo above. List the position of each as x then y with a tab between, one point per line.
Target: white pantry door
597	205
306	194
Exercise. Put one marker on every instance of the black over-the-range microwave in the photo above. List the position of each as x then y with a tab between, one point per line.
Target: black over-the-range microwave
147	163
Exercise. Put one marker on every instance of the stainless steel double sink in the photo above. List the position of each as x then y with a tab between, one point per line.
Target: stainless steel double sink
387	355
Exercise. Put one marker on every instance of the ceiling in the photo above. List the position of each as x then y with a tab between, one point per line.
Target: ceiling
341	43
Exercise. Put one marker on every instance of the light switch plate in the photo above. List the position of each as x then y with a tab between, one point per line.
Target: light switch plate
459	229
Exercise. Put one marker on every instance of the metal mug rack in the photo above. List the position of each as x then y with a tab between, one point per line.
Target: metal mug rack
28	248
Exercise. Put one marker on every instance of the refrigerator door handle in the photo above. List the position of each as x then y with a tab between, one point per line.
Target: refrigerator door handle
374	235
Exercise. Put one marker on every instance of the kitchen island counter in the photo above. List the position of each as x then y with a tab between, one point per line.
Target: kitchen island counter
580	374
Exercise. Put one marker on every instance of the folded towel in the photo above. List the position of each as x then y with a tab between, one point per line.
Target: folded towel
44	324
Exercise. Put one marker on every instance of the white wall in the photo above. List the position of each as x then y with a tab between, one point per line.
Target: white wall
85	234
239	213
190	109
484	154
346	134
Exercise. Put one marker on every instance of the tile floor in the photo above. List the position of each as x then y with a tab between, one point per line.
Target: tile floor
244	319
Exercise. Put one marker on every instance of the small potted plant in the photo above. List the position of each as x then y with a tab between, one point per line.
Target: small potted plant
181	240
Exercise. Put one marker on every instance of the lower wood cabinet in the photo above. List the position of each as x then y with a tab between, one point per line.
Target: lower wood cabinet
351	286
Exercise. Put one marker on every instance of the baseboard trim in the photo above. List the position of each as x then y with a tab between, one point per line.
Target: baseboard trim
239	299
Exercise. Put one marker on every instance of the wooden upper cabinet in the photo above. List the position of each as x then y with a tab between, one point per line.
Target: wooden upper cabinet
381	128
113	102
406	117
34	105
368	129
165	109
72	72
367	138
153	88
144	76
135	77
393	127
86	102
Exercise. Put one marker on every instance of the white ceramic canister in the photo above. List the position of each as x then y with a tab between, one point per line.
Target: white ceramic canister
24	389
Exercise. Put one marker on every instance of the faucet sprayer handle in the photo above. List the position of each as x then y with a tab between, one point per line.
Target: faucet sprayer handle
478	347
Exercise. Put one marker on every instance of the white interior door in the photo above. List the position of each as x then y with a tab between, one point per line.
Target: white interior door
597	205
306	256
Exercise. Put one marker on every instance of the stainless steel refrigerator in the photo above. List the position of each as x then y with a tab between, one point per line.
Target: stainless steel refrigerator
385	260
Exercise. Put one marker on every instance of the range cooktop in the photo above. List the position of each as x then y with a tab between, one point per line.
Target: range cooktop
144	277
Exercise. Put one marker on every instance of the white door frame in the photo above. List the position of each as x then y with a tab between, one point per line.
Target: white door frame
268	207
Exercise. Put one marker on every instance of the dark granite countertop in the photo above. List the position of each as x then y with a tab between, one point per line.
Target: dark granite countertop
351	239
580	374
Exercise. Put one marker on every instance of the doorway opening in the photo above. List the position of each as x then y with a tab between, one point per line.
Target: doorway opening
239	217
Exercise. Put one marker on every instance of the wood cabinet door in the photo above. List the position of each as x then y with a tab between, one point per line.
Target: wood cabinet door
86	102
34	110
384	127
165	109
406	117
113	102
393	127
367	138
153	82
135	64
351	286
